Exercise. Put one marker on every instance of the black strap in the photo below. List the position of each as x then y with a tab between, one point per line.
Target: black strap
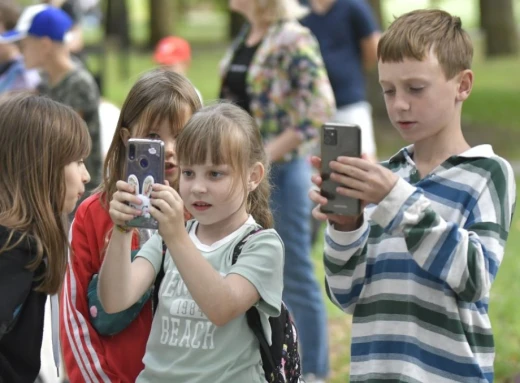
160	274
252	315
255	324
238	248
158	280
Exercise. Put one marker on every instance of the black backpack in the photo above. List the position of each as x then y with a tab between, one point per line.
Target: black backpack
281	360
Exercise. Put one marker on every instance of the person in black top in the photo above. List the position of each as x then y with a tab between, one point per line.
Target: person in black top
274	70
43	176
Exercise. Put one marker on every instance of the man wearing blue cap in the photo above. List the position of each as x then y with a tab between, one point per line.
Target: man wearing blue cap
43	31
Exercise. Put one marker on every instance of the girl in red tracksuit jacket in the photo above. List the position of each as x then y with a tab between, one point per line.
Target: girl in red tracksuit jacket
157	107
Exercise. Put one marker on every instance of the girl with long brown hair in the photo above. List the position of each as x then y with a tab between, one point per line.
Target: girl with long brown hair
98	346
42	176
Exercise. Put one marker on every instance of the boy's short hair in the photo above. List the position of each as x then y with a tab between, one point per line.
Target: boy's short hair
417	33
9	13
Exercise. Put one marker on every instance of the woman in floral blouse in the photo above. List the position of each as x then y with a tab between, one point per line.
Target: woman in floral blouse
275	71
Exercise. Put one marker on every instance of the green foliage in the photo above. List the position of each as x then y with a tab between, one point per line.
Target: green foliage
495	96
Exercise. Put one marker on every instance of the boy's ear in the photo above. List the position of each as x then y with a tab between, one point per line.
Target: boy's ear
124	133
256	175
465	84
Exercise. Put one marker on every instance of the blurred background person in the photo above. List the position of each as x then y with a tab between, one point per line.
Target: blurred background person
43	32
274	70
348	35
75	40
174	53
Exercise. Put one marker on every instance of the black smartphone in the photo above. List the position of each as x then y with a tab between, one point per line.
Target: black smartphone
338	139
144	167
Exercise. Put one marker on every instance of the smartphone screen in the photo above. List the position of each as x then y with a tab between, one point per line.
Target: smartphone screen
144	167
338	140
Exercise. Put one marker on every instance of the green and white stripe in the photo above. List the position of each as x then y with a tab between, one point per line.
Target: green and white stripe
417	274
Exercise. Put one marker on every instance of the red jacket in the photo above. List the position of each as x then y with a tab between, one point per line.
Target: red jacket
90	357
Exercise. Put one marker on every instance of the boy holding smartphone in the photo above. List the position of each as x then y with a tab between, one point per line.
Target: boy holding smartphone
415	268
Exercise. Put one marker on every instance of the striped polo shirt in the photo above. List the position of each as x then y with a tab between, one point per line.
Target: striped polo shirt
416	275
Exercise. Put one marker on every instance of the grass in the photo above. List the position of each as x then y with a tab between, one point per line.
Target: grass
122	72
495	95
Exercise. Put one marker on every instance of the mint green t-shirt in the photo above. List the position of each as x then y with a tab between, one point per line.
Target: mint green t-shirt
184	346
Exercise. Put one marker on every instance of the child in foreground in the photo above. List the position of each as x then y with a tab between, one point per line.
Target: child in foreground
415	268
37	193
200	332
157	107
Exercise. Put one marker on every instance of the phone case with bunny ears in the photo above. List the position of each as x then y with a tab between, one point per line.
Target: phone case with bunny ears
144	167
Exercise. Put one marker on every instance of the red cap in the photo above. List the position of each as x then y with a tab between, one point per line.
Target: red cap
171	50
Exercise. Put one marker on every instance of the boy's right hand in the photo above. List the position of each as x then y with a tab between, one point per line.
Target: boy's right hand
119	210
342	223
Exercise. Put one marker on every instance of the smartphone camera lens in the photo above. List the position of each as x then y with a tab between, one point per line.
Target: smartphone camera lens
330	196
330	137
131	152
143	162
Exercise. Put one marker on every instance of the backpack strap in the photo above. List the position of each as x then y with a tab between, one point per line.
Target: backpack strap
238	248
158	280
252	315
255	324
160	274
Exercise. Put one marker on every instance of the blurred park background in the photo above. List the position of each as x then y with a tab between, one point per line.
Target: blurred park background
120	36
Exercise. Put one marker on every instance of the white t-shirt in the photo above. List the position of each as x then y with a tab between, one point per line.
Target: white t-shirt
184	346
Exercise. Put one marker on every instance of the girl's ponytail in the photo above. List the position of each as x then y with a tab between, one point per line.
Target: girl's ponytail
258	204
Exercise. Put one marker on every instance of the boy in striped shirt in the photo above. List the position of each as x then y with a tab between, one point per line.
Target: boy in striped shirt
416	267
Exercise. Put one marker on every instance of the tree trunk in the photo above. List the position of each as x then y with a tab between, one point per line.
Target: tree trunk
498	24
117	36
116	21
378	12
161	20
372	78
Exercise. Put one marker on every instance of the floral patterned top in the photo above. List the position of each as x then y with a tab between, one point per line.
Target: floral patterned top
287	83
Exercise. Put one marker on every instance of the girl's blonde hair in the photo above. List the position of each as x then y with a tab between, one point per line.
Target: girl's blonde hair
38	138
271	11
226	134
159	95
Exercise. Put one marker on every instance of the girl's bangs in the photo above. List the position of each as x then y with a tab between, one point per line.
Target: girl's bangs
201	143
162	110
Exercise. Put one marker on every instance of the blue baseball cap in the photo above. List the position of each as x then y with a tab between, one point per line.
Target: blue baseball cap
40	21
